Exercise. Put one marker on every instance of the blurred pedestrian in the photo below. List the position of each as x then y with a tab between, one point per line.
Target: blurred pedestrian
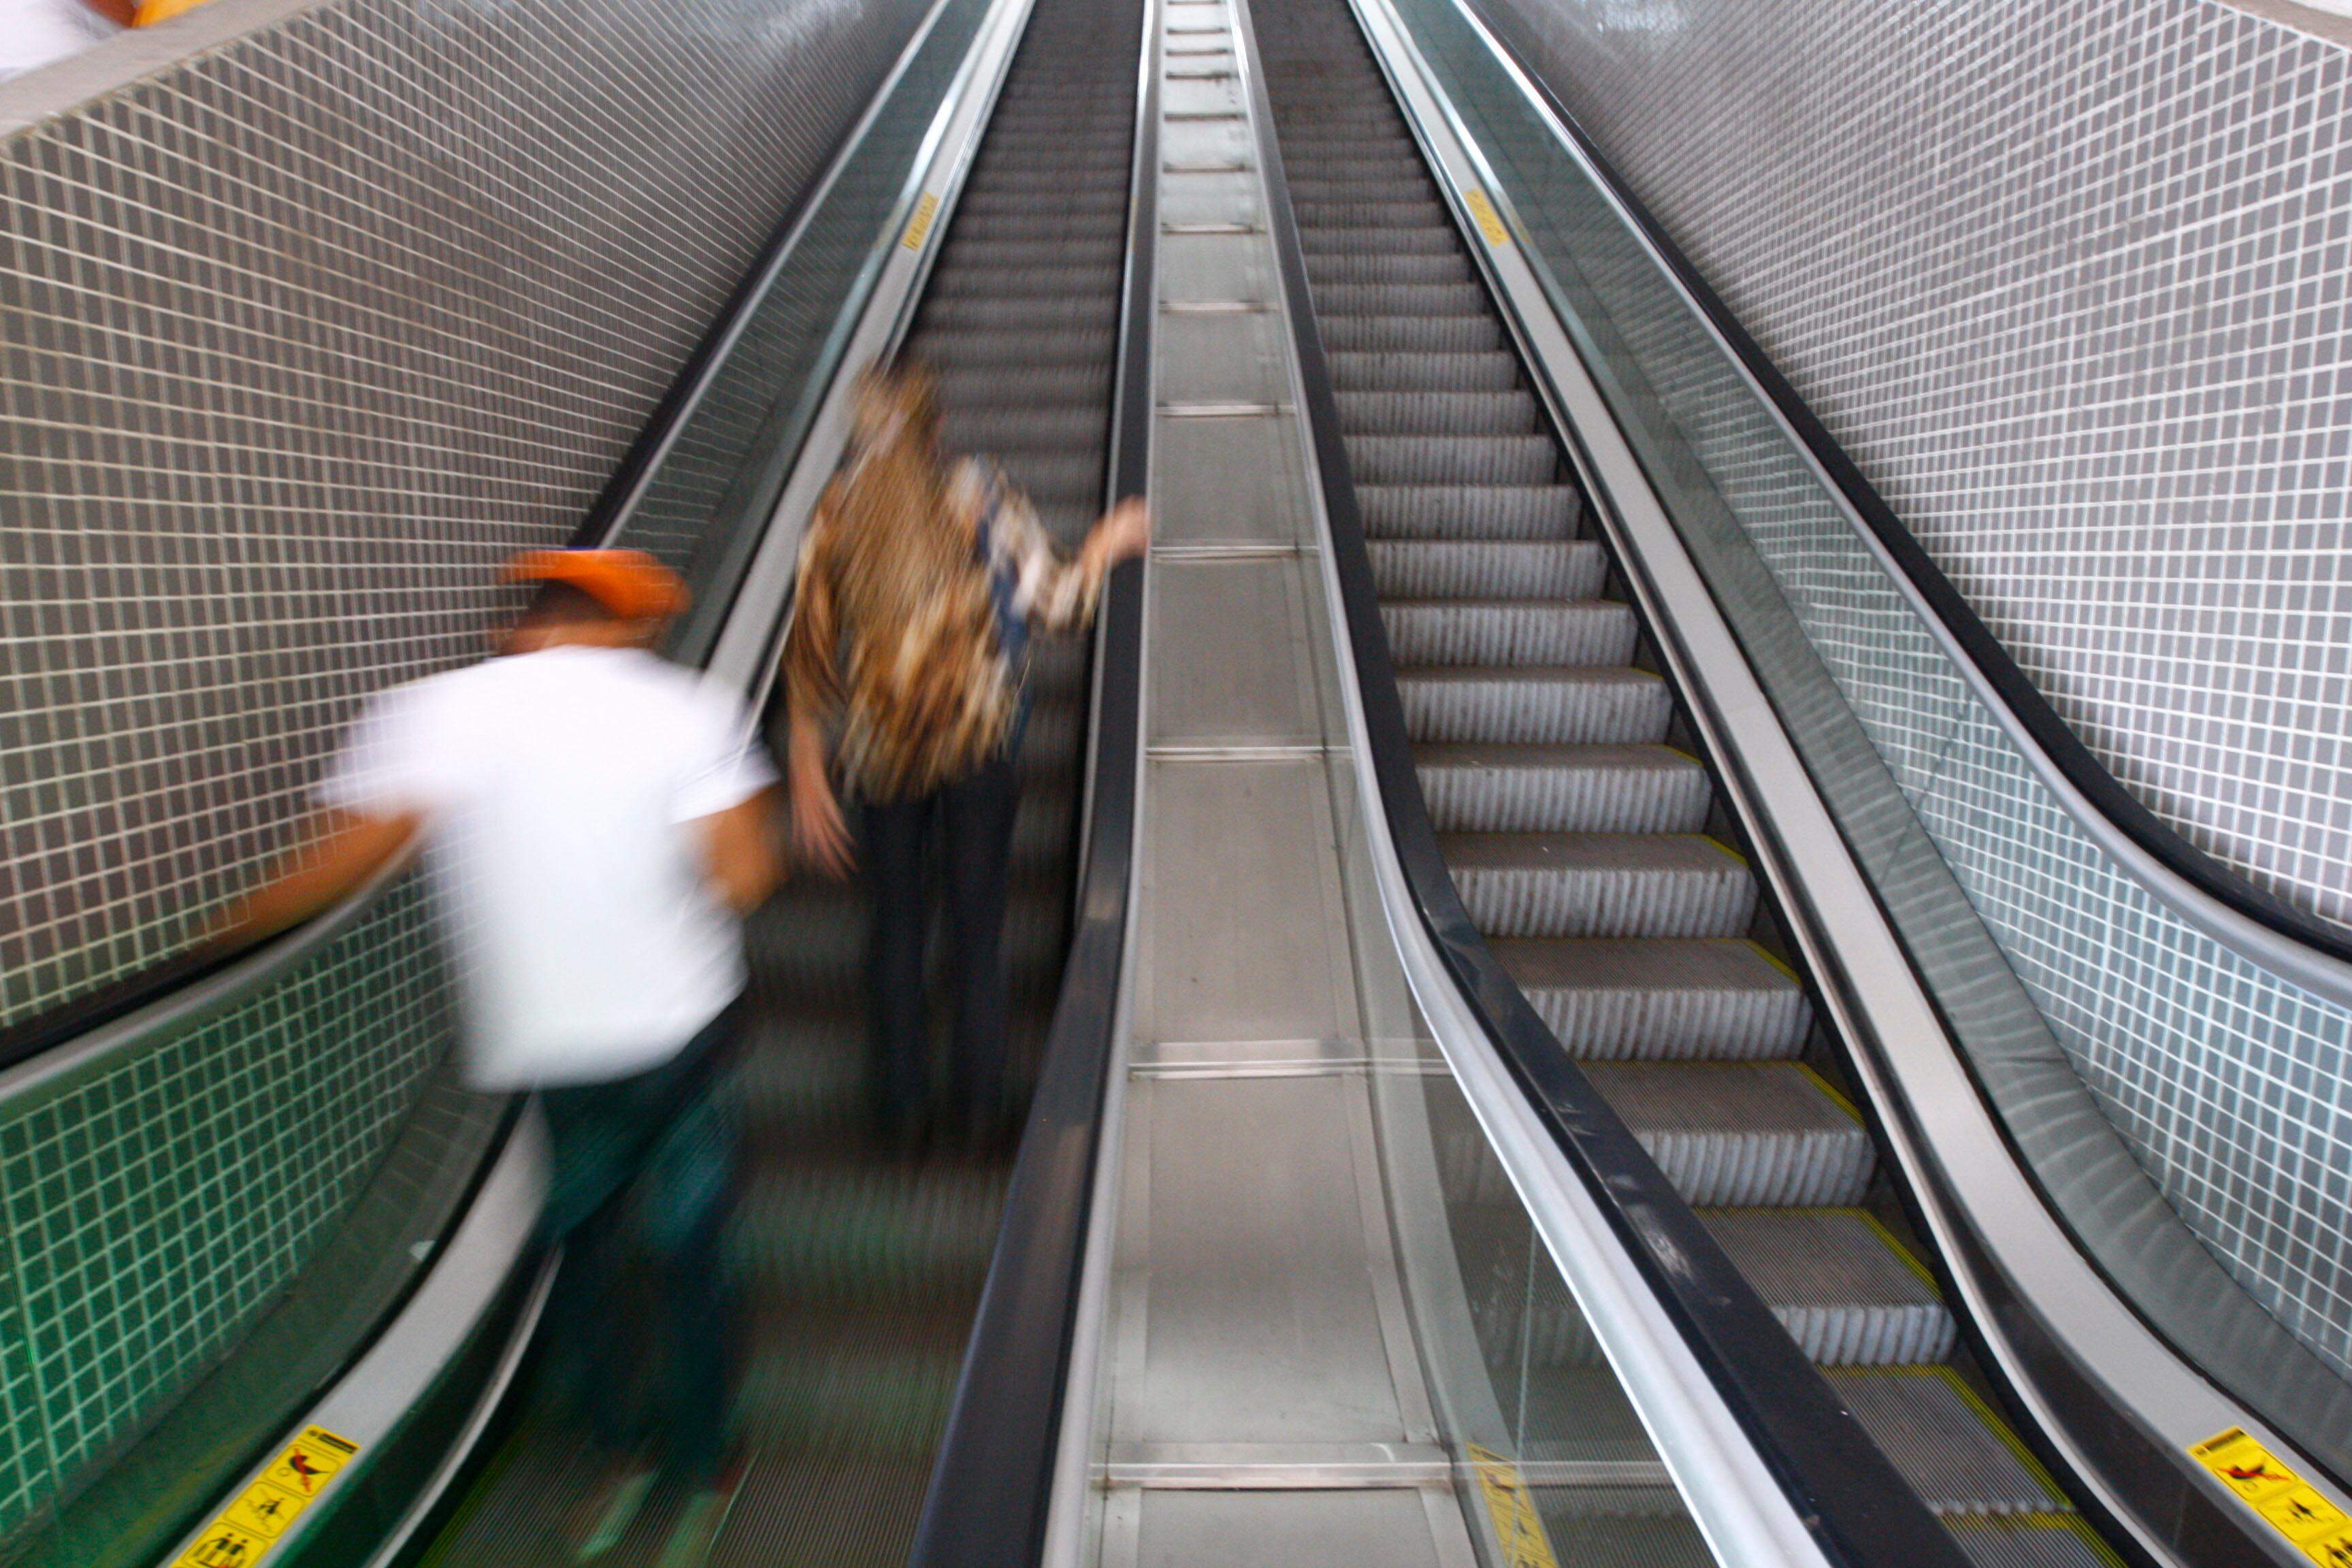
594	823
921	580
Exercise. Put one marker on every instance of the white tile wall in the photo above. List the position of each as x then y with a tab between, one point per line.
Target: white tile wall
2070	280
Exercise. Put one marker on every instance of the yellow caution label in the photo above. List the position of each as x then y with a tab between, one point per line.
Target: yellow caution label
919	228
262	1513
1518	1527
2321	1530
1489	221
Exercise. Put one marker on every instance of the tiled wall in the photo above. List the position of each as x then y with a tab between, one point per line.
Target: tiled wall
2070	280
301	336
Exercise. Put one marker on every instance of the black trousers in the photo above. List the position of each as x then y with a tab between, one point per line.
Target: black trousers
962	835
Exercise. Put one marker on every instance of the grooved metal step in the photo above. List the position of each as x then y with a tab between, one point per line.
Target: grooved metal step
1934	1428
1722	1000
1478	512
1733	1133
1837	1284
1486	569
1600	884
1508	632
1533	707
1563	789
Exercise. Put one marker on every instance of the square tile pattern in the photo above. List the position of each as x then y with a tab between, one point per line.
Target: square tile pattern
153	1202
2070	281
298	339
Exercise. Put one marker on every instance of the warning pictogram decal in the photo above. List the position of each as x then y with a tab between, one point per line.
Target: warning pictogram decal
261	1514
2321	1530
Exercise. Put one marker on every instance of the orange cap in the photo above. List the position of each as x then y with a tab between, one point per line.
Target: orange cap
629	583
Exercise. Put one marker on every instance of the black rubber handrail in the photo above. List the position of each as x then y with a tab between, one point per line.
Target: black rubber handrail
2099	787
992	1482
1850	1496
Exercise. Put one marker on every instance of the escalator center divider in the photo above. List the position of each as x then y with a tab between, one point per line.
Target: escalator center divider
1859	1506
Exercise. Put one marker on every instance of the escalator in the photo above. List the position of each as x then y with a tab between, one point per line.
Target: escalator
1440	1154
860	1265
1586	846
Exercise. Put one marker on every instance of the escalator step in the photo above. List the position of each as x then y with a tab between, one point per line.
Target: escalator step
1355	374
1390	335
1737	1134
1600	884
1938	1436
868	1233
1509	413
1469	511
1350	268
1563	789
1653	1001
1838	1284
1533	707
1508	632
1486	569
2047	1540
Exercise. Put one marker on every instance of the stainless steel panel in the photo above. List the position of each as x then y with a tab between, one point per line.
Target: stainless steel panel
1241	923
1260	1321
1210	198
1229	641
1288	1529
1190	144
1228	480
1222	358
1185	99
1223	266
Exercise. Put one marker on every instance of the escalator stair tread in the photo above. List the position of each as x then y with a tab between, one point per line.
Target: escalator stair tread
2054	1540
1486	569
1394	334
1838	1285
1600	884
1939	1437
1666	1539
1342	301
1474	788
872	1232
1504	413
1508	632
1495	512
1533	706
1453	460
1348	266
1615	999
1383	239
1356	374
1741	1134
851	1378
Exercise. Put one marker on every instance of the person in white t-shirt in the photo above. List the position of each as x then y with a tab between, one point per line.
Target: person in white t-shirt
594	822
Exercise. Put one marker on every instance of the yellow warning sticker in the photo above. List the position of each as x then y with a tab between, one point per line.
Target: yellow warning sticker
1518	1527
1489	221
2295	1511
260	1514
920	227
225	1546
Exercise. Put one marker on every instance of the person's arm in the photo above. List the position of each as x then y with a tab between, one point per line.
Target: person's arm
812	693
740	856
1058	595
340	851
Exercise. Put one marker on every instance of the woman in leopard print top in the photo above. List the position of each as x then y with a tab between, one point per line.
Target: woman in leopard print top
921	581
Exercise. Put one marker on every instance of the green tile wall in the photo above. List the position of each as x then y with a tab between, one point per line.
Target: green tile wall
153	1202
